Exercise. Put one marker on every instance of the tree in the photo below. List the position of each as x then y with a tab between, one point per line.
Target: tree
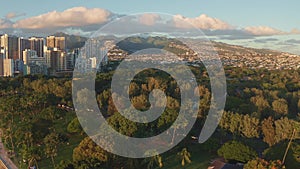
31	155
184	156
51	142
231	121
51	113
140	102
122	125
103	99
284	128
134	89
40	128
240	124
24	135
260	102
263	164
278	150
158	160
280	106
233	103
172	103
154	161
83	97
74	126
204	103
90	154
65	165
237	151
250	126
167	118
268	130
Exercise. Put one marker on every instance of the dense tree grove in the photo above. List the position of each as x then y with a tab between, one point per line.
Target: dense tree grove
263	164
237	151
40	126
90	154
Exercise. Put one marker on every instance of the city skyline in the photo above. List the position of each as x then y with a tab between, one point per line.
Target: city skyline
270	25
23	56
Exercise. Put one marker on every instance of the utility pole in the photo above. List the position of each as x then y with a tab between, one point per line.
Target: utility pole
287	148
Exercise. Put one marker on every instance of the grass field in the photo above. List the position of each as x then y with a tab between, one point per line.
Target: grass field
200	159
66	149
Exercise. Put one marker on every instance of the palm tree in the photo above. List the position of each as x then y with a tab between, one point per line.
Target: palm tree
34	158
154	161
185	156
182	125
51	142
159	161
31	155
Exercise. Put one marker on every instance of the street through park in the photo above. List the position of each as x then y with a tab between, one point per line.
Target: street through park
5	160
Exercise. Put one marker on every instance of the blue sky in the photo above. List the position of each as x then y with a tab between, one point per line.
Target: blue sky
280	14
259	20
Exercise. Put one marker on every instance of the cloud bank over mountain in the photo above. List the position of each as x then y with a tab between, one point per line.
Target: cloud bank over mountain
78	16
82	20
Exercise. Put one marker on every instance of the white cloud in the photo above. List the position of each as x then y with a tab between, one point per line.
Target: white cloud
5	23
12	15
149	19
82	20
78	16
77	31
263	31
203	22
295	31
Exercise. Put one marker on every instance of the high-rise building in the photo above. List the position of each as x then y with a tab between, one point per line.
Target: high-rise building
27	54
50	40
10	44
62	62
1	64
37	44
33	64
60	43
23	44
56	42
34	69
8	67
3	52
4	43
55	59
38	60
71	60
93	62
18	66
47	55
13	47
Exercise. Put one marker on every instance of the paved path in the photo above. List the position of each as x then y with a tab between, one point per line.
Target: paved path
3	155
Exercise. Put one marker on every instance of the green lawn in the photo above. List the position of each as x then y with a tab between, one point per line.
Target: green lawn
200	159
65	151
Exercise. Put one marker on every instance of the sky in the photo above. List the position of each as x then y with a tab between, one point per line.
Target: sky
268	23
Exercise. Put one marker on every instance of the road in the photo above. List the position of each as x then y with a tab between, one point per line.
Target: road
4	156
